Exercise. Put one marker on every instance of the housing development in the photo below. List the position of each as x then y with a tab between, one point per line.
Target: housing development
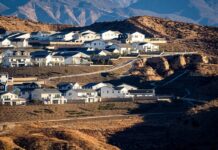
66	49
108	75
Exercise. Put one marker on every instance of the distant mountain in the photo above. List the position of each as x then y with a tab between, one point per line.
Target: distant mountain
86	12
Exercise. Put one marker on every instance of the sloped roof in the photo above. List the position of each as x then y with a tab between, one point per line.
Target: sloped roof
40	54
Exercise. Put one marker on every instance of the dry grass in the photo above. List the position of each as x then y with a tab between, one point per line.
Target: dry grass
45	72
43	112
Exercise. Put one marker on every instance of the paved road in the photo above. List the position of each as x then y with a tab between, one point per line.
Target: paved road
97	72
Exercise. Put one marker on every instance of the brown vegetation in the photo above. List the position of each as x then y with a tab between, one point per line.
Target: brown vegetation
16	24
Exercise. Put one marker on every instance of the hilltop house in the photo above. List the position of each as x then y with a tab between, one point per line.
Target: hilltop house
110	35
89	35
48	96
137	37
95	44
86	95
11	99
62	36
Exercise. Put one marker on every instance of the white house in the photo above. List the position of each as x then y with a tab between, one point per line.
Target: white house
4	77
121	91
68	36
75	58
56	60
147	47
40	35
122	48
5	43
96	44
128	87
64	87
110	35
137	37
89	35
62	36
18	42
41	58
113	92
18	59
23	36
86	95
11	99
100	85
48	96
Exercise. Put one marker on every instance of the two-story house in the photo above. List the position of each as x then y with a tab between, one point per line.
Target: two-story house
86	95
64	87
137	37
121	91
26	89
19	58
41	58
48	96
110	35
145	47
11	99
89	35
95	44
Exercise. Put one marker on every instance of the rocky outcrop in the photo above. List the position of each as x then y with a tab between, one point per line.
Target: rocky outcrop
151	75
157	68
161	65
176	62
197	58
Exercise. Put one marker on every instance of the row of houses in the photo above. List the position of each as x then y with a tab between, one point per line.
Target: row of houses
19	39
22	94
85	55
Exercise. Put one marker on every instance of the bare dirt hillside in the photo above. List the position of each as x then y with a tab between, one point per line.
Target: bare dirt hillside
17	24
193	129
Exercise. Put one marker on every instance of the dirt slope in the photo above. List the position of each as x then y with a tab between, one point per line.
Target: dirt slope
17	24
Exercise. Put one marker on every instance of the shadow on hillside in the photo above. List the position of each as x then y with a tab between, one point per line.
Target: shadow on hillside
170	131
195	87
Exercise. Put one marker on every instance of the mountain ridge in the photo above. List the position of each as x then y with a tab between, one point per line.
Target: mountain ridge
86	12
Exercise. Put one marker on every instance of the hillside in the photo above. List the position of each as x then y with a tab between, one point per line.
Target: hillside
17	24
